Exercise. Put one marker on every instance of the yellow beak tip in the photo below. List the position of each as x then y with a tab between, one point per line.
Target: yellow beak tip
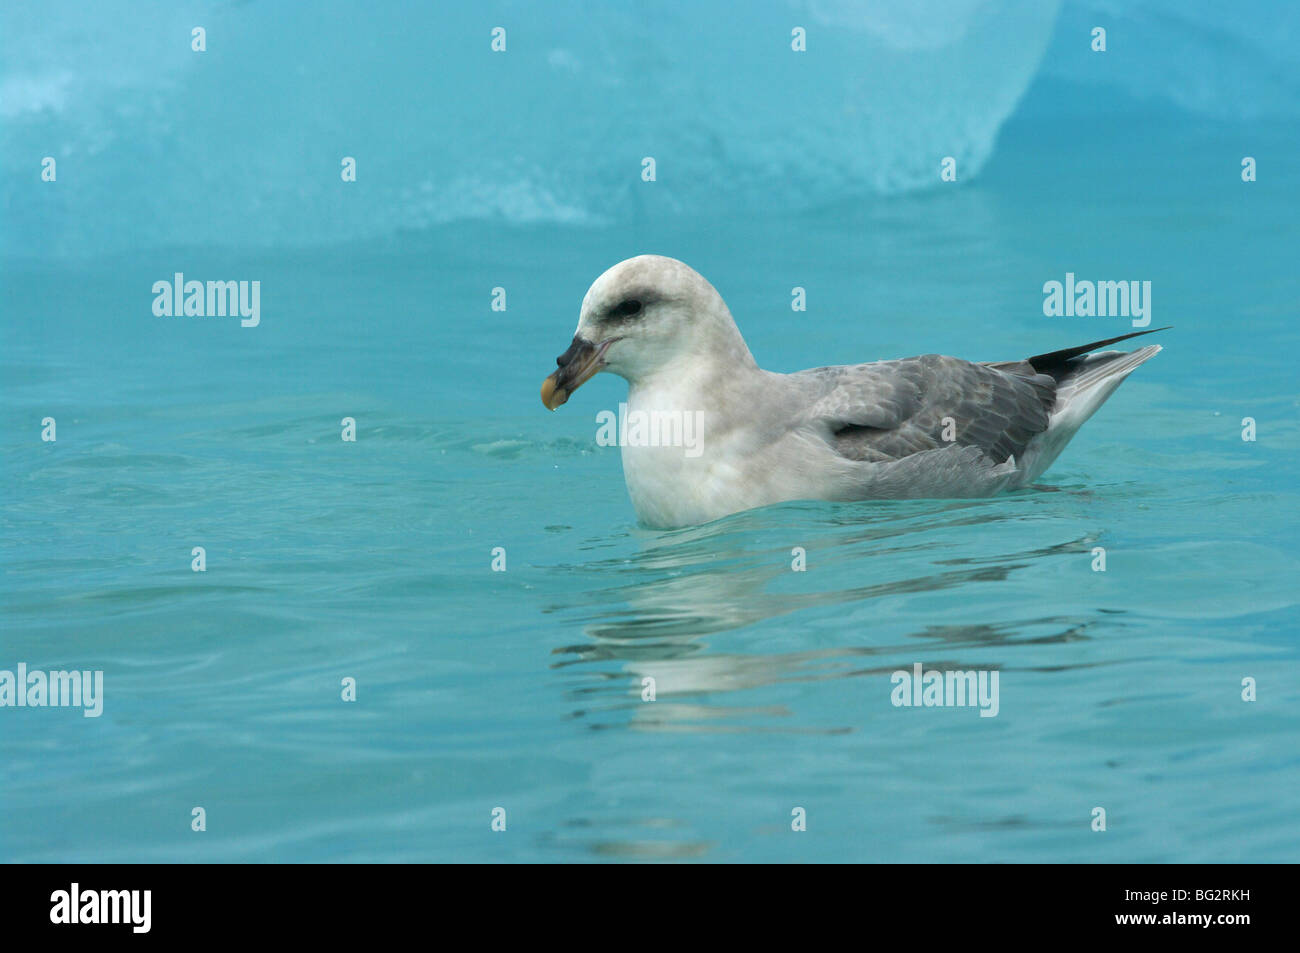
553	396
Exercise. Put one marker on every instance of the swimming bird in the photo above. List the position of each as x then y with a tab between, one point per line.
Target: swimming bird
718	434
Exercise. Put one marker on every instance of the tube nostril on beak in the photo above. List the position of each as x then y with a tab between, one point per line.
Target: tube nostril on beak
571	353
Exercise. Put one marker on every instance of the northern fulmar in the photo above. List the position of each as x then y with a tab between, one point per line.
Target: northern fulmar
919	427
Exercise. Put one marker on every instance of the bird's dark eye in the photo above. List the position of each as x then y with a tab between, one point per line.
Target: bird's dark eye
627	308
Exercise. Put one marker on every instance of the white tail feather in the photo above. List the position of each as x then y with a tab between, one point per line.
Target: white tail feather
1077	397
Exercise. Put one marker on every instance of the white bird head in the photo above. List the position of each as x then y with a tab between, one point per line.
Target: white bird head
645	316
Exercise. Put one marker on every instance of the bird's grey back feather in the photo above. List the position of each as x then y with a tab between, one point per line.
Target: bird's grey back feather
889	410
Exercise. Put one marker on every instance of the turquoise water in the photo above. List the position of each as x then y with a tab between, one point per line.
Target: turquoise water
522	689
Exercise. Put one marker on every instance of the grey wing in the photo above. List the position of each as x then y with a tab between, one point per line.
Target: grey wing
890	410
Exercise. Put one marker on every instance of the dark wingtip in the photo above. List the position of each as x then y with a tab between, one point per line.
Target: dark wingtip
1059	357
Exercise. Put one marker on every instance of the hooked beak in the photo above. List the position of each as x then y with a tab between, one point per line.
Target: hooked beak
579	362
